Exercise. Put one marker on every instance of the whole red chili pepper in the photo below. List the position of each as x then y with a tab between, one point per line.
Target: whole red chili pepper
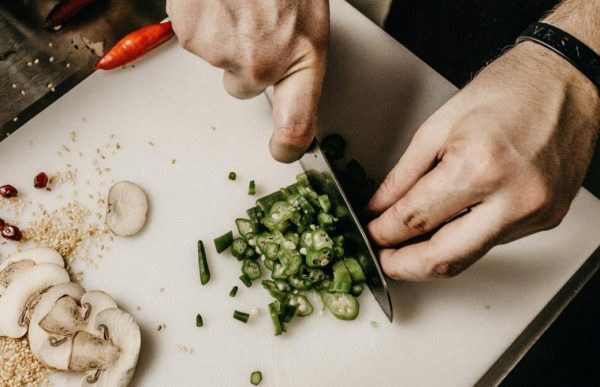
65	11
134	45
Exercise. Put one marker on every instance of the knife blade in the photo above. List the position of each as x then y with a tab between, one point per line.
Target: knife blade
321	176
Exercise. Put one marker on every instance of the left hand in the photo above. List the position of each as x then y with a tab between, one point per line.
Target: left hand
512	147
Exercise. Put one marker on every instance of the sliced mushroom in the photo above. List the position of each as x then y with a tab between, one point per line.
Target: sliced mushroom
122	330
64	318
51	349
127	208
91	352
92	303
18	263
14	300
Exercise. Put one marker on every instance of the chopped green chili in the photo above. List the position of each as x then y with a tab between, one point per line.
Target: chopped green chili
199	322
233	291
252	188
277	326
223	242
232	175
251	269
247	281
256	378
203	264
241	316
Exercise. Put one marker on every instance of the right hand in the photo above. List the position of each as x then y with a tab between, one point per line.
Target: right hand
261	43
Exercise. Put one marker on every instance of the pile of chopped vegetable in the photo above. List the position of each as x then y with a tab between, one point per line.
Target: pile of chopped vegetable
295	235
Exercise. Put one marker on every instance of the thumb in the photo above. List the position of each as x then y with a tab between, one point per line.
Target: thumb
295	107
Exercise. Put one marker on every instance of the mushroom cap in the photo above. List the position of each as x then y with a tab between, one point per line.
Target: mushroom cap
64	318
37	255
13	301
99	301
14	266
56	357
124	332
127	208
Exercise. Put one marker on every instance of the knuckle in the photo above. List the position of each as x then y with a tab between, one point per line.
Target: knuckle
414	220
447	269
295	134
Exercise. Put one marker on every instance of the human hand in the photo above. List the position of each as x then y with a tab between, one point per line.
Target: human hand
261	43
512	147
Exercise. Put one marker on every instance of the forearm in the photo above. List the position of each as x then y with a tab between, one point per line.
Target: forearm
580	18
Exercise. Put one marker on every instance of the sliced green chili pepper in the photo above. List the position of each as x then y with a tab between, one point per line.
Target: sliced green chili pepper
274	290
342	305
233	291
232	175
256	378
325	203
251	269
241	316
247	281
274	311
223	242
356	272
245	227
302	304
239	247
252	188
199	322
341	278
356	290
203	264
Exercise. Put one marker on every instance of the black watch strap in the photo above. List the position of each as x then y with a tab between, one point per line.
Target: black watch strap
567	46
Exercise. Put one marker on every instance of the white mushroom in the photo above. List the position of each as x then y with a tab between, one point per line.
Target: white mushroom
18	263
127	208
92	303
92	353
64	318
122	331
51	349
18	295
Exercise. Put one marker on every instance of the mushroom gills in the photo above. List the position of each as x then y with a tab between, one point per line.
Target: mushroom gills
91	352
127	208
123	332
52	350
13	302
64	318
92	303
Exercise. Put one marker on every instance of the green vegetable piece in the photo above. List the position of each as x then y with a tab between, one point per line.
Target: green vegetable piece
247	281
343	305
265	203
256	378
300	283
334	146
279	272
356	272
302	304
302	178
341	278
239	247
324	285
251	269
245	227
274	311
288	312
252	188
324	203
357	289
233	291
223	242
291	260
278	216
232	175
326	221
270	250
293	237
199	322
253	214
274	290
269	264
203	264
241	316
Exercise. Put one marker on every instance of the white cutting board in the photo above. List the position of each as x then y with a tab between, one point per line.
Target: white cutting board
444	332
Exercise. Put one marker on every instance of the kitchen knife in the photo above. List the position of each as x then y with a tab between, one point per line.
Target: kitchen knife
321	176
